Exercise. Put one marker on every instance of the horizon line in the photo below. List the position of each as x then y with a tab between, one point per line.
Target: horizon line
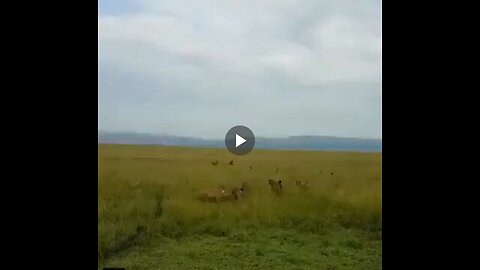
265	137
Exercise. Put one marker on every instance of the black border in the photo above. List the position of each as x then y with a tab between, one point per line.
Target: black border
421	157
51	194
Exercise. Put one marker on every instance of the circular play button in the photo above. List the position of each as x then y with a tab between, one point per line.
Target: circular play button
240	140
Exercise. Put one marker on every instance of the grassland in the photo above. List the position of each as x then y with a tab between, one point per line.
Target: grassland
149	216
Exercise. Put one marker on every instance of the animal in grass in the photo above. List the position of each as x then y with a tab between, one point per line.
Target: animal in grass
239	192
231	196
212	195
214	163
243	190
250	167
276	186
331	173
231	162
302	185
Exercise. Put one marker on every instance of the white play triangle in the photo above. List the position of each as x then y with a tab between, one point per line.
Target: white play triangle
239	140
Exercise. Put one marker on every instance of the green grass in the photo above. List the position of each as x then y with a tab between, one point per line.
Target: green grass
149	217
262	249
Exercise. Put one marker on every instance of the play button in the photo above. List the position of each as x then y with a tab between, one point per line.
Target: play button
240	140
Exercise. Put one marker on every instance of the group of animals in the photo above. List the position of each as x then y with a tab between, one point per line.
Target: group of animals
215	163
221	194
277	188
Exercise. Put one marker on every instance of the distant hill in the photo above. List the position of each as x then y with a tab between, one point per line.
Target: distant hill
327	143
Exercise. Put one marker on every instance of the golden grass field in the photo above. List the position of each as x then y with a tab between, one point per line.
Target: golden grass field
149	215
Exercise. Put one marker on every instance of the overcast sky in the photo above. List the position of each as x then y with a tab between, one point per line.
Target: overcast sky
197	68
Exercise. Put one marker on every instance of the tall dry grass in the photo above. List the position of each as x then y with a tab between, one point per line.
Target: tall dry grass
144	191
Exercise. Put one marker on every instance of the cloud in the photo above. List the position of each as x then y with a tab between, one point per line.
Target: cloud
281	67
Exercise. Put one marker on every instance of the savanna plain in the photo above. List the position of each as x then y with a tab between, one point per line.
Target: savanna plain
203	208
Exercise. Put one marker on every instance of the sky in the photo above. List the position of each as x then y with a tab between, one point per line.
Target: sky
280	67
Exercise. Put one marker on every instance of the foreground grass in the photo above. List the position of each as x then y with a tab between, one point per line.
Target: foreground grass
149	218
333	248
